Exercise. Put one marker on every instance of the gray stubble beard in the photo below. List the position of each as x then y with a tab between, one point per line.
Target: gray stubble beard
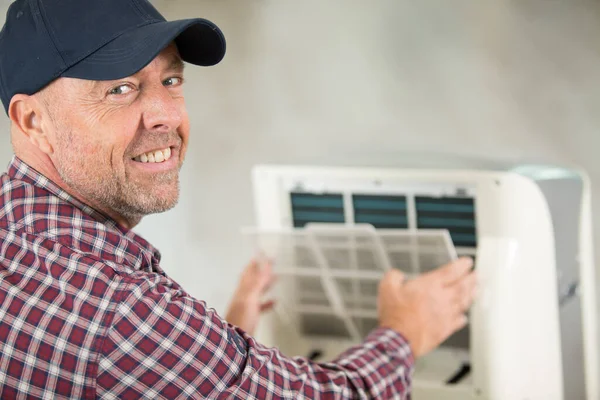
124	198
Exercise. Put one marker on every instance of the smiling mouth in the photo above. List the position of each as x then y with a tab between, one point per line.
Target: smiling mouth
154	157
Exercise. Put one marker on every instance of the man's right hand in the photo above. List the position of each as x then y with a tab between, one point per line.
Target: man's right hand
428	309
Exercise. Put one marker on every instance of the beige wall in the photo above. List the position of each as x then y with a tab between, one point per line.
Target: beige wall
370	83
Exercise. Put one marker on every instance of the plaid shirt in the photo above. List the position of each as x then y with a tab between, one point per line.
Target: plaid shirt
87	312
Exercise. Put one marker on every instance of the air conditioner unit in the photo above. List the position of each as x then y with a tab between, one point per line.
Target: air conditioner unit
334	231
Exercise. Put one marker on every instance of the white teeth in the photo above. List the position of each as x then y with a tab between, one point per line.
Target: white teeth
155	156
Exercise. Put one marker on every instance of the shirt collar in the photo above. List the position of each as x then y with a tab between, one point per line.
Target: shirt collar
20	171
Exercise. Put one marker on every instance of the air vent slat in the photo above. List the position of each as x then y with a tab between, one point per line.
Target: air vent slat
381	218
457	214
384	204
450	222
381	211
322	201
325	208
466	208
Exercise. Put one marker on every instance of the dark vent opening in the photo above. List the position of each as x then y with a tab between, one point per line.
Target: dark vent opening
457	214
322	208
381	211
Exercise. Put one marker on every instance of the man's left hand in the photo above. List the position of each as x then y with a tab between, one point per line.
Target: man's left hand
247	304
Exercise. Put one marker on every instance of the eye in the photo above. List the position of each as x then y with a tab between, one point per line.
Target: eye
121	89
174	81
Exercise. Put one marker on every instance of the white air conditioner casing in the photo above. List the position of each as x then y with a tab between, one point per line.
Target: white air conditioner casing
532	332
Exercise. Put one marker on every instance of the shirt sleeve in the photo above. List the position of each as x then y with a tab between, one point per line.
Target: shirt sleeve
165	344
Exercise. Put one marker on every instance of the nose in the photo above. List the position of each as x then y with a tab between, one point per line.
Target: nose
161	111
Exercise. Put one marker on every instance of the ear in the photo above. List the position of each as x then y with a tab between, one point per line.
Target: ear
26	114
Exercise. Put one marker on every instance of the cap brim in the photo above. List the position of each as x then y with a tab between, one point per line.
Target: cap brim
199	42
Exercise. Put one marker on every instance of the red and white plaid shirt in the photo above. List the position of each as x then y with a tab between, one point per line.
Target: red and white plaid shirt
87	312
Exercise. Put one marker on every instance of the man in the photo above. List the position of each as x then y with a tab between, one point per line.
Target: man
99	127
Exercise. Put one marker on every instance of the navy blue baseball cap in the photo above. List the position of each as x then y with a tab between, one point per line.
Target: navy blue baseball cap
43	40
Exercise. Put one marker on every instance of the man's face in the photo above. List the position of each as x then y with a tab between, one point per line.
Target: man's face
120	144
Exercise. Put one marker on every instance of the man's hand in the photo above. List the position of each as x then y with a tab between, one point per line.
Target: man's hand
247	304
429	308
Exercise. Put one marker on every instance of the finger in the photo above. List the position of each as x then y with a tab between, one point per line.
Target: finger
393	277
274	278
262	258
269	283
454	271
464	293
268	277
261	261
253	266
459	305
267	306
469	287
458	323
251	278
